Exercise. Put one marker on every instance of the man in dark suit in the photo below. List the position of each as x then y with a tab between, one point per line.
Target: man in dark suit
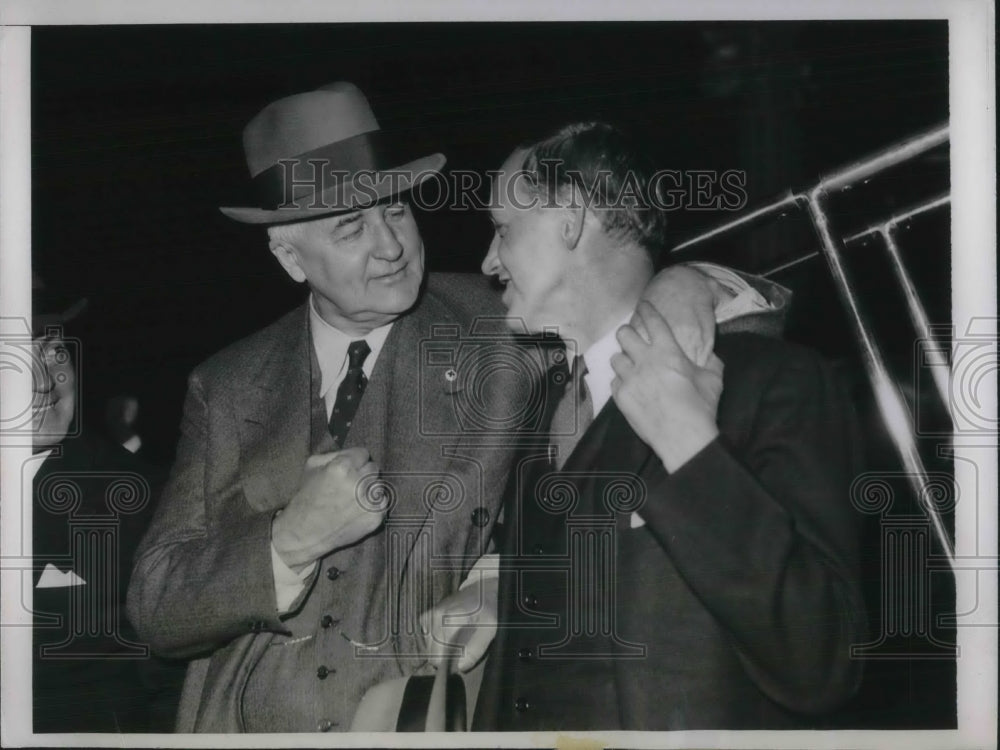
329	485
91	504
683	554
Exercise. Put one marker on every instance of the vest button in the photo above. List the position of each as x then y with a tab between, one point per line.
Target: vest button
480	517
521	705
524	654
328	622
322	672
333	573
325	725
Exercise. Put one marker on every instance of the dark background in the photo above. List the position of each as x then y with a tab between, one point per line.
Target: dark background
136	142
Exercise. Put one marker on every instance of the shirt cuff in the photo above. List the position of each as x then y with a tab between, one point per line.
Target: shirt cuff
745	300
287	583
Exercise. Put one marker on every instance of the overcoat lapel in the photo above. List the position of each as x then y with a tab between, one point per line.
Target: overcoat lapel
407	393
607	442
610	447
273	415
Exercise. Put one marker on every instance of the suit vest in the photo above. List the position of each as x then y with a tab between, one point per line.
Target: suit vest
342	631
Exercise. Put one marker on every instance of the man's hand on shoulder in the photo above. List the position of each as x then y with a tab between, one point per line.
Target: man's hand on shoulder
669	400
326	513
687	299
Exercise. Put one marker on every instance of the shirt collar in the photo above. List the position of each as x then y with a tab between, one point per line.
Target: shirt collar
598	360
331	348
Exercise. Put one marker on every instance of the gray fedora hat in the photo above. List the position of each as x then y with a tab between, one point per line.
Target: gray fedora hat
323	152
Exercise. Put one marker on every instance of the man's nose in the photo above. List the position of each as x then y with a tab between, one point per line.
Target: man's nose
491	263
388	245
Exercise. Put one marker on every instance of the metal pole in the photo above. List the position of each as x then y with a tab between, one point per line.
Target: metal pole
937	356
887	396
884	159
789	264
837	180
788	201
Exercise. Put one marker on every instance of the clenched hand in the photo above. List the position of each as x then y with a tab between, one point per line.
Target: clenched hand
325	513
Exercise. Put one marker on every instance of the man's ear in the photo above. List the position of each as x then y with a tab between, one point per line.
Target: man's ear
572	226
286	256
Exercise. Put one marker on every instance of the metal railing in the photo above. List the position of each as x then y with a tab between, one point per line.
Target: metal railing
888	397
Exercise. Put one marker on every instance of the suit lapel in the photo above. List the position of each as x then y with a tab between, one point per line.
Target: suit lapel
608	442
416	462
409	393
610	447
273	413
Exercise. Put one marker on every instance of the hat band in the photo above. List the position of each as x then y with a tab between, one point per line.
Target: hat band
282	185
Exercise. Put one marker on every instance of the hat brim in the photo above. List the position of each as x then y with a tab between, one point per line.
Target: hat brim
345	197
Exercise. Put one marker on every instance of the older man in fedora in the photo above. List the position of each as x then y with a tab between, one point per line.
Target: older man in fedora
327	490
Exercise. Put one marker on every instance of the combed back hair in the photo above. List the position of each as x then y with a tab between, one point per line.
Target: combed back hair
602	165
289	233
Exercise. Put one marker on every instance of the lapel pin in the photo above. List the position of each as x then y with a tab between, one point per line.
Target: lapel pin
451	385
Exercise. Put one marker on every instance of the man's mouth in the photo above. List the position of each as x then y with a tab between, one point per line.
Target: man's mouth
42	403
392	275
506	290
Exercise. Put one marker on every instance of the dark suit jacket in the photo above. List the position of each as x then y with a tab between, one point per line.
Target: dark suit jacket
92	503
203	585
733	607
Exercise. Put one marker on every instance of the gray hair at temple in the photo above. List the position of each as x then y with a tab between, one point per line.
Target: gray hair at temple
610	171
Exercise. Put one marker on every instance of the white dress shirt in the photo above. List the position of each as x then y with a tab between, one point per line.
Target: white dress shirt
330	345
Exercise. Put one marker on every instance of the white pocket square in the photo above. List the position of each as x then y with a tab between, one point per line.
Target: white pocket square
636	521
53	578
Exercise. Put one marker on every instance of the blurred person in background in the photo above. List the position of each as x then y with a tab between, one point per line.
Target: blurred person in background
91	502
